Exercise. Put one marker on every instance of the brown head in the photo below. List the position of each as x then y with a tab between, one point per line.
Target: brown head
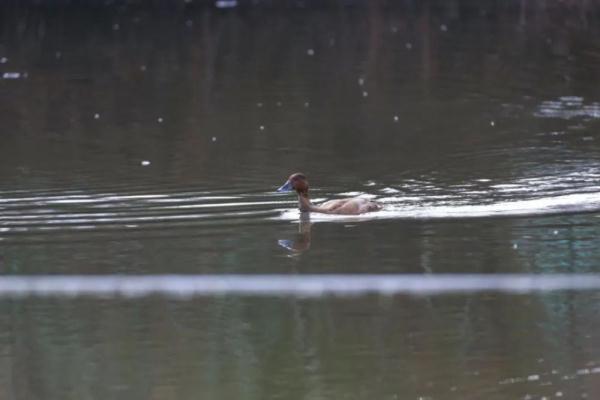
296	182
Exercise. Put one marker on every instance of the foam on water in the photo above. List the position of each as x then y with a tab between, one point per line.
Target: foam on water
575	190
394	209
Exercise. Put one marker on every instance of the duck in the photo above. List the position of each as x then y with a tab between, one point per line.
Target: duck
353	206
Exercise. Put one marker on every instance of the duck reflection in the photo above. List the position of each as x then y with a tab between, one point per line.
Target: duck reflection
301	242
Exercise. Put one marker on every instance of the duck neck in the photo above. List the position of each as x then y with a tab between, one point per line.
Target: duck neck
304	203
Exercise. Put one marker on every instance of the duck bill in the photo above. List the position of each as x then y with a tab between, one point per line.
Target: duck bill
287	187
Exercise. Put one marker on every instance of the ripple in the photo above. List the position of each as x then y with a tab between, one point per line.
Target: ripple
572	203
570	192
46	213
33	213
568	107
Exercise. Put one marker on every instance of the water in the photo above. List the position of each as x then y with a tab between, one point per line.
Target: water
145	141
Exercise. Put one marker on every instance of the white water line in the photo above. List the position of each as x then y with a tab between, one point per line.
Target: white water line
185	286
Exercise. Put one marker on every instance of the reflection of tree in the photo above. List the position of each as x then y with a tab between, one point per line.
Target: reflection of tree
293	348
205	80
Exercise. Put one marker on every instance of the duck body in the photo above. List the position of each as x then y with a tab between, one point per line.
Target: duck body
352	206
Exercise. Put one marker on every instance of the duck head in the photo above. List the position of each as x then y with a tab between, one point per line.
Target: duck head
296	182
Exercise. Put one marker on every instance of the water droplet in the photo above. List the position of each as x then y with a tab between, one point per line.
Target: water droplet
145	163
443	28
306	104
96	116
361	81
396	119
58	55
214	139
555	232
262	127
492	123
11	75
259	104
226	3
310	52
558	394
143	68
409	45
278	104
515	246
583	371
532	378
365	94
3	60
160	120
116	27
189	23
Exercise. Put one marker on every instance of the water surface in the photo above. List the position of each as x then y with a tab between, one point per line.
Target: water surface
148	140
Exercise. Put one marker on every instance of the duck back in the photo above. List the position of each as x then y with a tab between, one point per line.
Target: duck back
351	206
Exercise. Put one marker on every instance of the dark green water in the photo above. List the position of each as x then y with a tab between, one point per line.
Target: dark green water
150	140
